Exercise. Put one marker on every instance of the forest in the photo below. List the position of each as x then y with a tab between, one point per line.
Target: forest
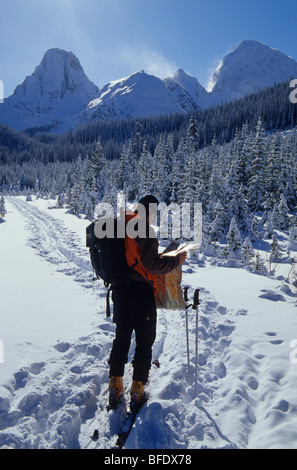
237	159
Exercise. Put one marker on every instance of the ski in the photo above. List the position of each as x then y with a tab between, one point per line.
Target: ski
125	429
128	425
119	405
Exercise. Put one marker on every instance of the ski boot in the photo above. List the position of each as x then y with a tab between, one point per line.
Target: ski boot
138	396
116	391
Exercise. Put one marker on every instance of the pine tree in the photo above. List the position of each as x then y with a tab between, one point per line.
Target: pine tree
273	171
234	240
125	175
283	213
138	140
292	242
279	216
60	200
217	227
97	164
188	191
192	135
256	187
144	180
2	208
276	252
161	171
247	251
175	182
254	230
75	200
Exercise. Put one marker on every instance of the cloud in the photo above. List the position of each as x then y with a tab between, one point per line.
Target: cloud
213	76
142	58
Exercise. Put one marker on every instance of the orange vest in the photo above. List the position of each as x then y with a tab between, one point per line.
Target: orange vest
132	253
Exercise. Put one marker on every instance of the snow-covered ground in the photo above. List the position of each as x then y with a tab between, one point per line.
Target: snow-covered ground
57	339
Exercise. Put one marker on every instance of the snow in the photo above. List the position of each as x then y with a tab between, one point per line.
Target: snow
58	94
138	95
57	340
250	67
52	96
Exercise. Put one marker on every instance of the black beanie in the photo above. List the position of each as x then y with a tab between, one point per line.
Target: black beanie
148	199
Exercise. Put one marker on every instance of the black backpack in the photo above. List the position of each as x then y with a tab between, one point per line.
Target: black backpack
108	256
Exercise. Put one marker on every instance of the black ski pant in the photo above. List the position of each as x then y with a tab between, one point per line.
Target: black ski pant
134	310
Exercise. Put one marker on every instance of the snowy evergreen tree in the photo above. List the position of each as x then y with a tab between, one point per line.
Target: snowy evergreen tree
74	203
276	252
97	164
161	171
292	242
144	172
60	200
283	213
273	171
175	182
192	135
247	251
126	175
234	240
217	227
2	208
188	191
268	230
254	231
256	187
279	216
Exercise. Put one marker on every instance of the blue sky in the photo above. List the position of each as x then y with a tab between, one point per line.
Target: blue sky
115	38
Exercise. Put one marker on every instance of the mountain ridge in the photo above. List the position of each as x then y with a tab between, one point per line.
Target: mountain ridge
58	96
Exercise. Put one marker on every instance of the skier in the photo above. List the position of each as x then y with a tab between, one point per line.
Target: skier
135	308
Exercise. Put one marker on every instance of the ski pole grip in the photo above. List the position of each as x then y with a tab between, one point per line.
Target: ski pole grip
196	298
186	288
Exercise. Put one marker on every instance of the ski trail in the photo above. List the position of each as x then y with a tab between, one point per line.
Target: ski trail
59	403
173	413
55	243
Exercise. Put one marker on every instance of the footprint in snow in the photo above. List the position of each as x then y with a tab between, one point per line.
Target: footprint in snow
283	406
62	346
270	295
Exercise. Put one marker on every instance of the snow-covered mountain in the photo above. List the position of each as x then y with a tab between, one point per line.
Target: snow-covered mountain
250	67
187	91
137	95
59	96
51	96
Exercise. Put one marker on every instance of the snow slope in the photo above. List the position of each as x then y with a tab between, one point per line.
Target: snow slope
53	387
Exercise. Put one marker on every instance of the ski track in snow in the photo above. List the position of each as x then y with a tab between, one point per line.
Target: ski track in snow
59	403
56	243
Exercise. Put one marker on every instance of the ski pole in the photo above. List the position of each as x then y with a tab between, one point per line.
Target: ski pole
195	306
187	330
